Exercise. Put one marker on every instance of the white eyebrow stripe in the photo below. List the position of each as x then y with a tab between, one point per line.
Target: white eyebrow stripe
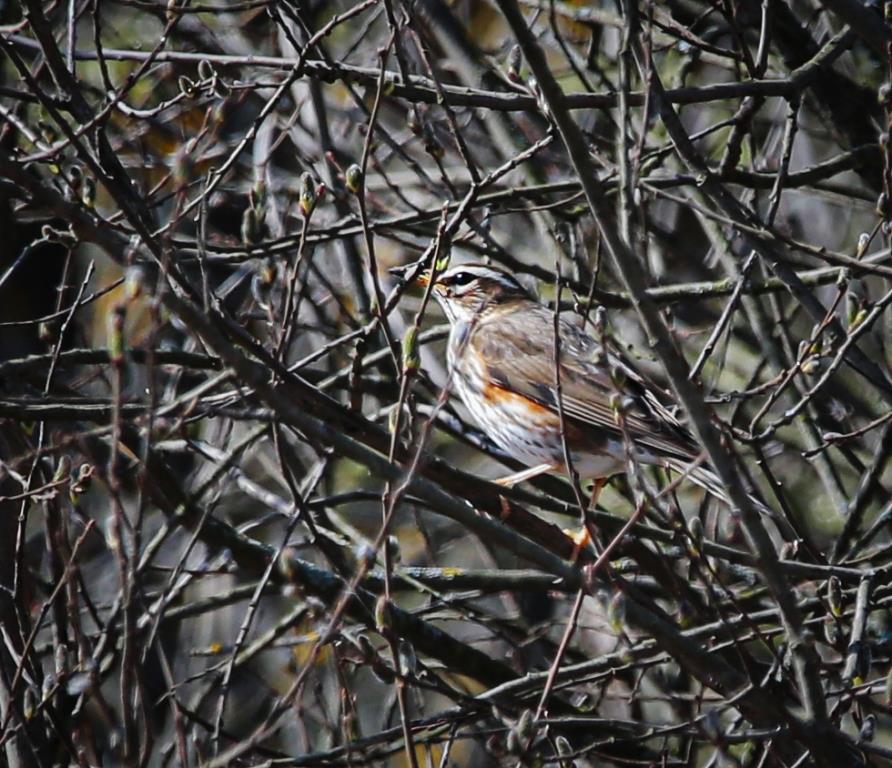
508	282
483	272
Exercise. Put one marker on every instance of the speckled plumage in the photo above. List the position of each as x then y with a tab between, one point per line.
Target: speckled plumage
501	354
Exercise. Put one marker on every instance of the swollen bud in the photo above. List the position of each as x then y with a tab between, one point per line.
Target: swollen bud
616	612
512	743
181	172
133	282
258	194
514	60
46	332
81	483
47	131
408	659
382	614
685	614
88	192
85	475
832	632
250	227
618	376
859	317
811	366
365	554
116	334
393	550
411	362
863	663
353	178
564	748
412	122
442	263
599	321
525	725
307	200
75	179
695	531
536	91
432	145
63	468
863	242
834	596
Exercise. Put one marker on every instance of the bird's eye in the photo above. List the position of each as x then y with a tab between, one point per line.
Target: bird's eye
462	278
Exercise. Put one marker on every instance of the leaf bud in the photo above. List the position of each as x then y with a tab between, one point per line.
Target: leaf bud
133	282
442	263
863	663
75	179
88	191
412	122
408	659
859	318
393	550
834	596
307	201
832	633
258	194
695	531
382	614
48	131
526	727
46	332
863	243
250	227
811	366
616	612
63	468
353	178
411	361
618	376
116	334
514	62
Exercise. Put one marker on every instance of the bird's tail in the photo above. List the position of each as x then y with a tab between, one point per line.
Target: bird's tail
712	484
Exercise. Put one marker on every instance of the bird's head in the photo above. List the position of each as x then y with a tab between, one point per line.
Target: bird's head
468	289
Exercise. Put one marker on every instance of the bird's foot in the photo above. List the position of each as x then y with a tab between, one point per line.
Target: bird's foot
529	473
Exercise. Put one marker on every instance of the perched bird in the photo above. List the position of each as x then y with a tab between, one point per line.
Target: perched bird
501	354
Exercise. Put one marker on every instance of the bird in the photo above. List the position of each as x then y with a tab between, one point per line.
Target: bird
501	359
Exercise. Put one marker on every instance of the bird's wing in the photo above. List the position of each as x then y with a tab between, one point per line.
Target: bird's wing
518	351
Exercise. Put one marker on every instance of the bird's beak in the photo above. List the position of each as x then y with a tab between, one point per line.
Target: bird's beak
422	279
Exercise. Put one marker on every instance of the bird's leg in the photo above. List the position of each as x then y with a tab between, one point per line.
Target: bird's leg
525	474
600	482
582	538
